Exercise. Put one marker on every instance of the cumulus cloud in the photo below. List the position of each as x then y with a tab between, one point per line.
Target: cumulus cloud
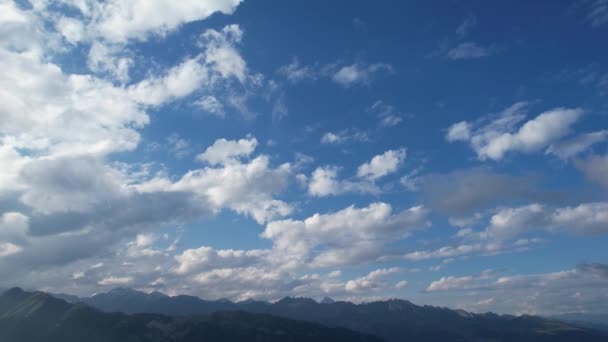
324	180
500	136
382	164
73	217
351	235
119	22
226	151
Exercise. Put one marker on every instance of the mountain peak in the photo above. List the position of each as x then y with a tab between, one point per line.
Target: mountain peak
296	300
124	291
327	300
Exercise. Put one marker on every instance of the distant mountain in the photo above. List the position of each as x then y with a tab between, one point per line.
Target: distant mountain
327	300
38	317
395	320
590	321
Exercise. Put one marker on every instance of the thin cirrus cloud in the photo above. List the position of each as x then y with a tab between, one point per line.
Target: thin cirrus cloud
346	75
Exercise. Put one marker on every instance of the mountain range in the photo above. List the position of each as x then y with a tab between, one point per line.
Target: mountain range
393	320
40	317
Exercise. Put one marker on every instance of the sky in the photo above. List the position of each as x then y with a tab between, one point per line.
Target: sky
451	153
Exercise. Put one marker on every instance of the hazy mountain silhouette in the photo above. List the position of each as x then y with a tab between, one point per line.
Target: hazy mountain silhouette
598	322
395	320
40	317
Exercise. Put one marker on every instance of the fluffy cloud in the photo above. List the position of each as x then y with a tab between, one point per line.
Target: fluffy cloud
179	81
351	235
226	151
382	165
118	21
324	180
495	139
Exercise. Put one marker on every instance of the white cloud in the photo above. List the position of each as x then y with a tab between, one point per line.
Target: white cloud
145	240
370	282
71	29
116	281
207	258
583	219
401	284
460	131
7	248
344	136
211	105
104	58
382	164
221	54
227	151
346	75
450	283
64	114
499	137
119	21
246	188
350	235
324	182
179	81
358	74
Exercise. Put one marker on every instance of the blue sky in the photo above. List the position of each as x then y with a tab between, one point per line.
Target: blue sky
450	153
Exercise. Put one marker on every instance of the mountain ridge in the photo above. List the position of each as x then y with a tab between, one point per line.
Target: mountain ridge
38	316
392	319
